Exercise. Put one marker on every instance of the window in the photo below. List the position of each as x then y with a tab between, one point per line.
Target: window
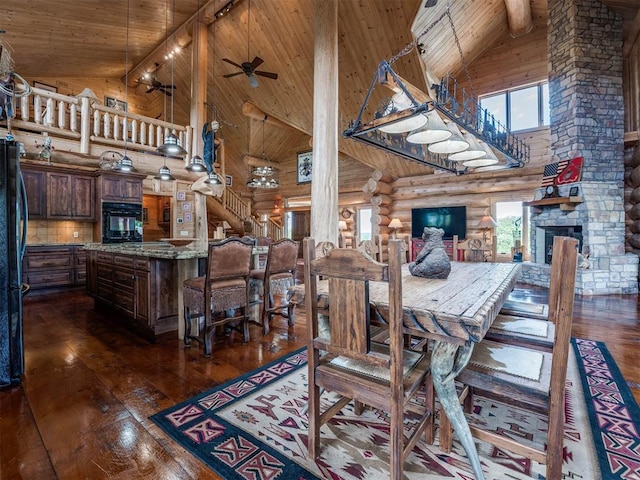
365	227
520	109
512	228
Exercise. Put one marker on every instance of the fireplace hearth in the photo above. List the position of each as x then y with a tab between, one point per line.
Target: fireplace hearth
544	240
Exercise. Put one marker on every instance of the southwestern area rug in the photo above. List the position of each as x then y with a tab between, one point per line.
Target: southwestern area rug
254	427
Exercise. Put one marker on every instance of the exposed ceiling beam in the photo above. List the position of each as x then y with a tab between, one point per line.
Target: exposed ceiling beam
255	113
181	36
519	16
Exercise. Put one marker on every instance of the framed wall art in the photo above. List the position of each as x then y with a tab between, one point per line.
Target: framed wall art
229	180
115	103
305	165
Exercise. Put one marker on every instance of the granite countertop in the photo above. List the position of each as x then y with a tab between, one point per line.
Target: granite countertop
148	249
50	244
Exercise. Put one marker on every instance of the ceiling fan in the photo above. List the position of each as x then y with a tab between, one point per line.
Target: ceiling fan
249	67
151	81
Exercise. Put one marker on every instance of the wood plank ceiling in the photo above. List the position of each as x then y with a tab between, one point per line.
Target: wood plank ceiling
88	39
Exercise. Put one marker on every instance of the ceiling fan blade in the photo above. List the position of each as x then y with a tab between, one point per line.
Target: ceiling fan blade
229	75
267	74
232	63
256	62
150	89
166	86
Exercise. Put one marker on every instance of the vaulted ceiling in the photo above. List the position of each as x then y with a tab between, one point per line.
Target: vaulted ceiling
92	39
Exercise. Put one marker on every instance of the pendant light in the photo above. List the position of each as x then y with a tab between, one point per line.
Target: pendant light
489	158
171	145
125	164
454	144
434	130
398	103
164	173
261	173
472	153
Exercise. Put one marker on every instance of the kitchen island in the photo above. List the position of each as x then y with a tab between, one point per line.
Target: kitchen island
143	281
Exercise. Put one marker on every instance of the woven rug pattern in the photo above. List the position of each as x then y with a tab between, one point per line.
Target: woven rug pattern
253	427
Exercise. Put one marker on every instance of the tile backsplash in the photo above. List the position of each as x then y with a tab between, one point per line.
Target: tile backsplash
52	231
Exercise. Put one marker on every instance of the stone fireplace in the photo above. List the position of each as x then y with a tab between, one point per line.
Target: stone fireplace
587	120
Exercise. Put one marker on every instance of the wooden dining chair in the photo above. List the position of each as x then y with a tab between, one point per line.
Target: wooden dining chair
530	330
344	359
221	296
527	378
276	277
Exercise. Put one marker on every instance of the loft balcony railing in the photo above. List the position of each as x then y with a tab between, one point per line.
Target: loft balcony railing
93	125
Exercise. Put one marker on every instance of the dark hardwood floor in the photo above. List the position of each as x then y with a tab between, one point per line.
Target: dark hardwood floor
90	385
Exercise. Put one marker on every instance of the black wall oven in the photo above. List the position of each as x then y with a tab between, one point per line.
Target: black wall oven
121	222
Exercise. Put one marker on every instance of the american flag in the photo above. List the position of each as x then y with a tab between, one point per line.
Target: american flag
566	171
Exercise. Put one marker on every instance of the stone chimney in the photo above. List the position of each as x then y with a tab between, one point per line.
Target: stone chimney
587	120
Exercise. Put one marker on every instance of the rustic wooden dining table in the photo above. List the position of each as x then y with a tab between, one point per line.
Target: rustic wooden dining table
454	313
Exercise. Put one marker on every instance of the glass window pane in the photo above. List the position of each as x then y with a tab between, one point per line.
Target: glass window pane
524	108
509	231
546	114
365	228
497	106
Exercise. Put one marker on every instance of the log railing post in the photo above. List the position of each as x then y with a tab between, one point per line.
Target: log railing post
85	124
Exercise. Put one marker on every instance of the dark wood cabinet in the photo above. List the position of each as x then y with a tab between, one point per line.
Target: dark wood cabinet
70	196
142	288
59	194
121	188
52	266
35	185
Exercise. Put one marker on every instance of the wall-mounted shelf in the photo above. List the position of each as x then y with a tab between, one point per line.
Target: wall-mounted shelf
565	203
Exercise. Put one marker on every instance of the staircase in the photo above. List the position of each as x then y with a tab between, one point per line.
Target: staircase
232	209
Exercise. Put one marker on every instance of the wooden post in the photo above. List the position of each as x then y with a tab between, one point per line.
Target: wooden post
85	125
324	182
198	86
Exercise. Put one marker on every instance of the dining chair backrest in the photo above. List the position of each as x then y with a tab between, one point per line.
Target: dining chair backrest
282	257
349	272
229	258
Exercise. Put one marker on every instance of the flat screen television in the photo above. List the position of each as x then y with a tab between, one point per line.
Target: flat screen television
453	220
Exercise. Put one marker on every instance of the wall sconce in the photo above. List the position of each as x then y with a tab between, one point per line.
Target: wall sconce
486	223
411	120
394	225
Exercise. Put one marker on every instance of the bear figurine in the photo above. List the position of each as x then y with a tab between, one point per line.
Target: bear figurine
432	261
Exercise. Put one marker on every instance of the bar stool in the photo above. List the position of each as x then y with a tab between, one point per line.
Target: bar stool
277	276
226	286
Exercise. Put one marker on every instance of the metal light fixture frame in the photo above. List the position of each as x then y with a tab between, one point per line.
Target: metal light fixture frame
466	113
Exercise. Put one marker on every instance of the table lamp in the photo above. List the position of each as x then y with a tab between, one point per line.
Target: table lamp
394	225
486	223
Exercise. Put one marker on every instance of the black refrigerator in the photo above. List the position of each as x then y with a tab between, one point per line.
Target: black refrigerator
13	231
